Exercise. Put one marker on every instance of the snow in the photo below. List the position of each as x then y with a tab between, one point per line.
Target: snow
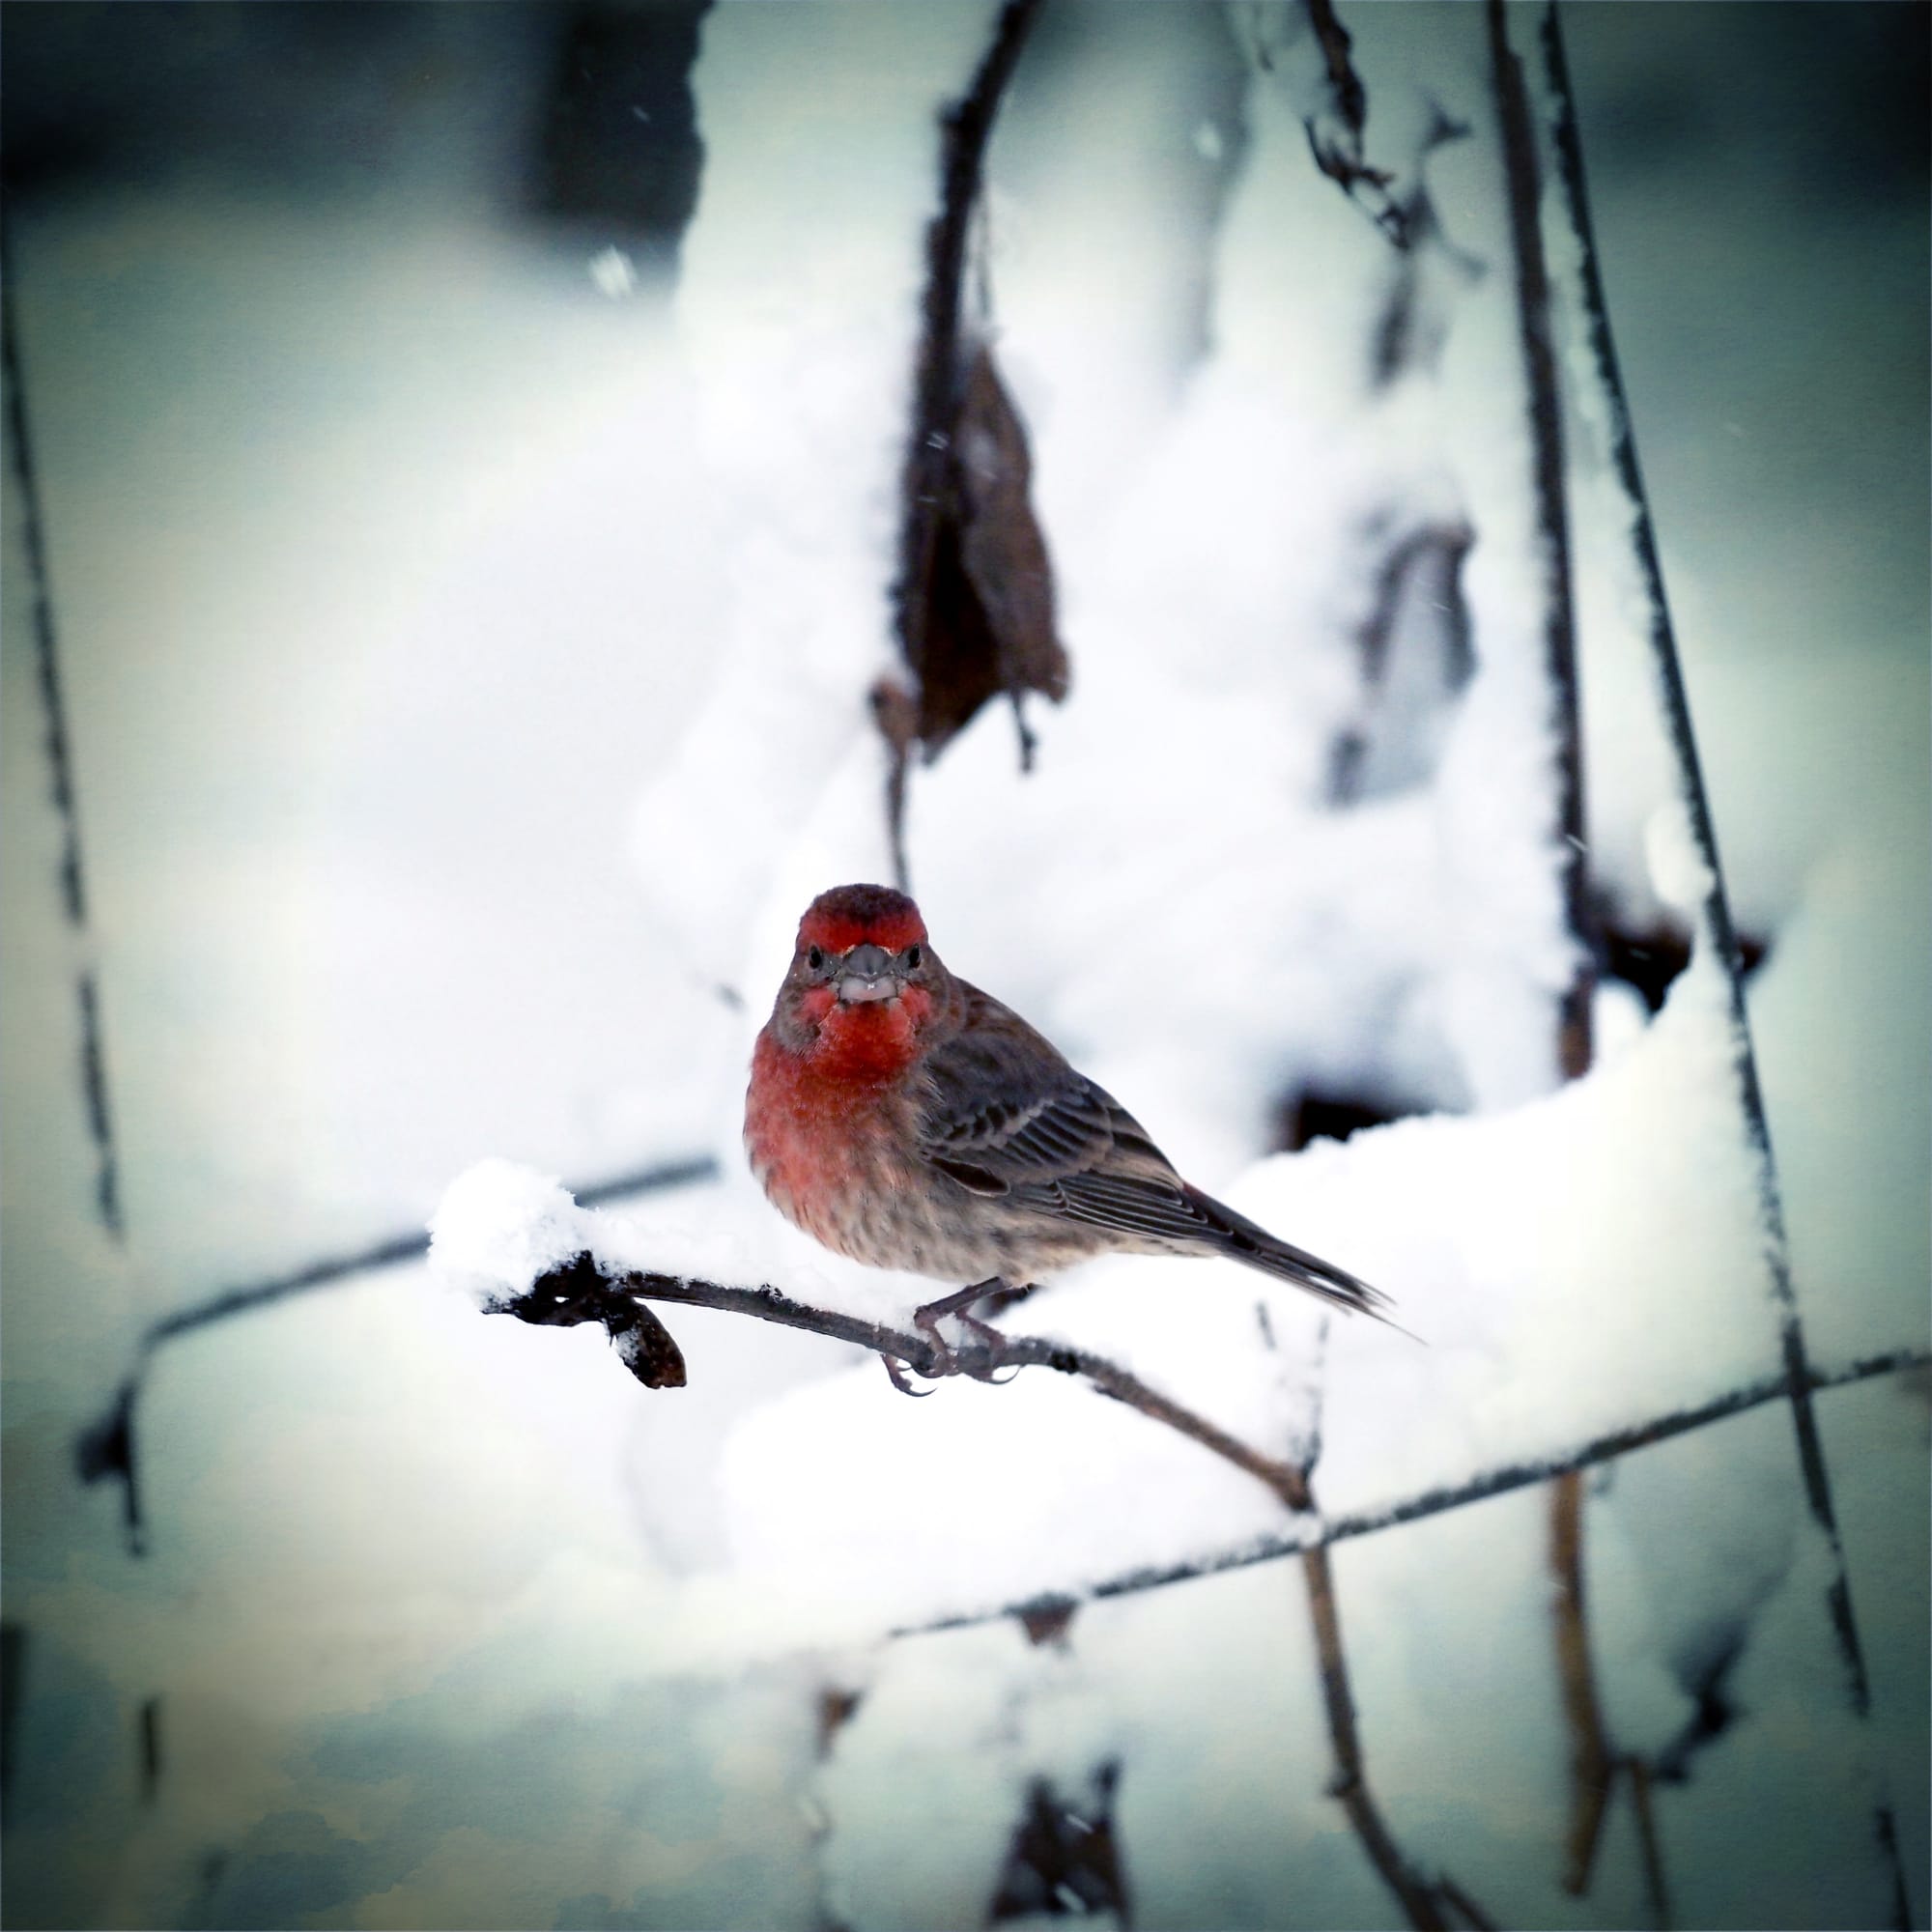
499	1228
408	577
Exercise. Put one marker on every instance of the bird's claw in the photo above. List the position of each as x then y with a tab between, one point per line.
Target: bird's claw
896	1373
993	1339
927	1321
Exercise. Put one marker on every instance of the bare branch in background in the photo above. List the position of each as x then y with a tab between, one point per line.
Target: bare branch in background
1412	327
60	758
1523	195
1417	658
1303	44
896	712
1596	1767
1420	1899
1590	1761
1423	1900
1649	1845
107	1449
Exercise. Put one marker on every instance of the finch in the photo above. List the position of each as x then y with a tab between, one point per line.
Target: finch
904	1118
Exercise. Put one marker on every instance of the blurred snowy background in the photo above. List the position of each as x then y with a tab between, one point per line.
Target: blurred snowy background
466	440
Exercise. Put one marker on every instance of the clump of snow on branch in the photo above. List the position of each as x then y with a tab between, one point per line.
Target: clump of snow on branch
500	1225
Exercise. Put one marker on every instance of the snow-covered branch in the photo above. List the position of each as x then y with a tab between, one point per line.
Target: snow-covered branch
1306	49
577	1289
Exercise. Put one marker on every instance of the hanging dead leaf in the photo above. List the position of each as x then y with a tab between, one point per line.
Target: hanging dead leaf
976	604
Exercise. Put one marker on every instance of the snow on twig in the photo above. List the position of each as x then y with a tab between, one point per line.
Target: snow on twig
579	1290
1305	46
1523	195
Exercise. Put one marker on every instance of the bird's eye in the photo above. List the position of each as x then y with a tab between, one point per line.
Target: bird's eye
913	956
816	958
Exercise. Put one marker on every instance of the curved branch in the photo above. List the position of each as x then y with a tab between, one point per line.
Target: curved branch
581	1291
1308	49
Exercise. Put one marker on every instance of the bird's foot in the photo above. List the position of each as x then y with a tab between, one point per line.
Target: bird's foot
896	1373
959	1303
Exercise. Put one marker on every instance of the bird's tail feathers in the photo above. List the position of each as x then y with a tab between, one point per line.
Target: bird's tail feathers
1244	1241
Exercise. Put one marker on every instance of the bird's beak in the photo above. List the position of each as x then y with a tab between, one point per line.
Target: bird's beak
870	973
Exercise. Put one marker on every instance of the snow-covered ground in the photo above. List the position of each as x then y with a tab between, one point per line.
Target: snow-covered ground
464	660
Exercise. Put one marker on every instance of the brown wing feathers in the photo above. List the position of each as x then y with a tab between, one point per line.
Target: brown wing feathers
1068	1149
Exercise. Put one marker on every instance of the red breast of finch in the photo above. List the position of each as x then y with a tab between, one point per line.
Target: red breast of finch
907	1120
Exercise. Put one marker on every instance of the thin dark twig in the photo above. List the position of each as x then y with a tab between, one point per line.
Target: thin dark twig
1591	1764
1334	118
1350	96
896	712
1552	513
1368	187
1799	1380
1420	1899
59	753
686	1170
582	1292
1416	1896
1649	1845
1460	1901
46	654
